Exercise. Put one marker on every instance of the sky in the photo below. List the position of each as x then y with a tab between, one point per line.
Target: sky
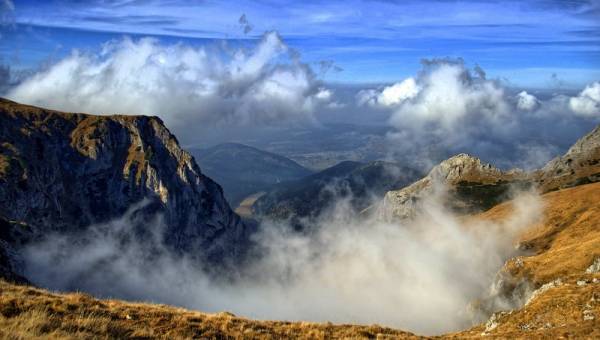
534	44
514	82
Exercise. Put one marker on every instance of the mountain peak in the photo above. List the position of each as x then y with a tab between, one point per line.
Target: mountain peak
466	168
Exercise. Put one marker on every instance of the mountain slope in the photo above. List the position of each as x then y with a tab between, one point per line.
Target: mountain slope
579	165
310	196
563	269
565	245
61	172
243	170
30	313
467	185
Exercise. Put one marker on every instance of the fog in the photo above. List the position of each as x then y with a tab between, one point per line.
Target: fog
418	275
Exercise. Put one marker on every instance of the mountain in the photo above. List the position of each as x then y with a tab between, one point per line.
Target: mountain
469	185
557	278
243	170
61	172
465	184
562	271
310	196
579	165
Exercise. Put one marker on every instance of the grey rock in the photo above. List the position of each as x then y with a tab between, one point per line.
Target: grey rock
64	171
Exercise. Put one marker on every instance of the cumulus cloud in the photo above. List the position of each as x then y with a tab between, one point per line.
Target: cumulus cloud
587	103
445	94
526	101
390	95
186	86
448	108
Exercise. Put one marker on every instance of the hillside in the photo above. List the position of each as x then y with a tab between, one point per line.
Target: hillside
465	184
243	170
310	196
30	313
564	268
62	172
564	246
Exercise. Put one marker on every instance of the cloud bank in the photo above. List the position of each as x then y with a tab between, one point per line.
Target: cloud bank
186	86
449	108
587	103
419	276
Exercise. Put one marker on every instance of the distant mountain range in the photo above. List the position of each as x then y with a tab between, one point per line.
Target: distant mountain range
244	170
306	198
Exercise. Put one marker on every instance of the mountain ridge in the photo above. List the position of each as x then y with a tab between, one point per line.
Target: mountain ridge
469	185
65	171
243	170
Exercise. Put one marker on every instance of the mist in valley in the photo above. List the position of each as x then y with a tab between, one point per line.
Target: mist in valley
420	275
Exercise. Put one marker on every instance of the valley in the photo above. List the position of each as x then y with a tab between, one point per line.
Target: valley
563	267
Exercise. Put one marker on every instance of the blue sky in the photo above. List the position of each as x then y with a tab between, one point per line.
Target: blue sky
527	43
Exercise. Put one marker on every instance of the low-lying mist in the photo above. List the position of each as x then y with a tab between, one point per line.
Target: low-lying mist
418	276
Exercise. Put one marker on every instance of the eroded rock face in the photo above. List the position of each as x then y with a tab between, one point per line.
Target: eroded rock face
580	165
464	183
65	171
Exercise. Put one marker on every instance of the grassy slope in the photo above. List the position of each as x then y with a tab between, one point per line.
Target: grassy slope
27	313
563	246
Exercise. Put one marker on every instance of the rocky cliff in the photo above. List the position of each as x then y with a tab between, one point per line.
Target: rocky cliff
65	171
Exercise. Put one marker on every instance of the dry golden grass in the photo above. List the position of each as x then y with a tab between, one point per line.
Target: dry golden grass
564	244
566	241
30	313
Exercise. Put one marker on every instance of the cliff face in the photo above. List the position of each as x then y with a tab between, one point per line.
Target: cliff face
64	171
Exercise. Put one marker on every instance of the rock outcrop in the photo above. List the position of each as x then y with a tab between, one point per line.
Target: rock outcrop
468	185
465	182
64	171
580	165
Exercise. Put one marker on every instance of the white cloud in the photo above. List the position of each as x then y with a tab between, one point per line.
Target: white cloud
186	86
527	102
324	94
390	95
587	103
449	96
